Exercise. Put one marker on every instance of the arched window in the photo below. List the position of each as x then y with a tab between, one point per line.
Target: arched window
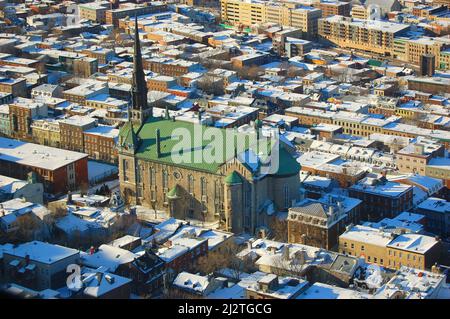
165	179
203	186
190	184
152	177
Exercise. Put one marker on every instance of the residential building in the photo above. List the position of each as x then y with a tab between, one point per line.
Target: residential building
100	143
22	112
319	222
286	13
415	157
29	189
365	35
437	212
38	265
59	170
72	132
94	11
15	86
46	132
382	198
390	249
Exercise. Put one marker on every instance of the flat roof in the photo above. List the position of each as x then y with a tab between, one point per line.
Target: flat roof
41	252
45	157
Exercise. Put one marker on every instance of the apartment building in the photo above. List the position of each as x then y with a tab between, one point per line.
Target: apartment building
412	49
415	157
59	170
130	10
365	35
389	249
319	222
359	12
286	13
100	143
16	87
46	132
94	11
382	198
21	114
81	93
437	212
72	131
332	8
38	265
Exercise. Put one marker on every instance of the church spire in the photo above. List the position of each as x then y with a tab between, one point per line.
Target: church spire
139	85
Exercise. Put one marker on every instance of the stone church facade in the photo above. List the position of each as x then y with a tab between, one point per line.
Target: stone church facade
236	195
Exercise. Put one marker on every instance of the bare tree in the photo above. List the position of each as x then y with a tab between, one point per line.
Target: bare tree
211	85
224	257
279	228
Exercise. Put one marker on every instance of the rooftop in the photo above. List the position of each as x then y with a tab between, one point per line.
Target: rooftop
41	252
35	155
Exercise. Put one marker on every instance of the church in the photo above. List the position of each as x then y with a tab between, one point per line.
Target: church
236	193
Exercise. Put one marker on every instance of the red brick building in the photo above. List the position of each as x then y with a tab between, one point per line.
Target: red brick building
59	170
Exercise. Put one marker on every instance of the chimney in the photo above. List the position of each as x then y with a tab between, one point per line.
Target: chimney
158	142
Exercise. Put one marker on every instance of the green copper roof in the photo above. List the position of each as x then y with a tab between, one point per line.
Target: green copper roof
129	137
288	164
173	193
374	62
233	178
174	140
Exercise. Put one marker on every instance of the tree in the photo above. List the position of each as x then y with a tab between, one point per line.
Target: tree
84	188
279	228
224	257
211	85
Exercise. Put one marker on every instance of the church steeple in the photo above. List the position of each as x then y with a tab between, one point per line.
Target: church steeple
140	109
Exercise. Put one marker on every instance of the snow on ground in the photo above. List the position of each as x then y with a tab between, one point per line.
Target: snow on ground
97	170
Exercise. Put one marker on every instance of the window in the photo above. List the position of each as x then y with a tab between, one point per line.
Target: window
362	248
152	176
190	184
124	170
165	179
203	186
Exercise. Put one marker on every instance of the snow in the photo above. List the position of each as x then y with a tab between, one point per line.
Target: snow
41	252
324	291
107	282
367	234
413	242
191	281
108	256
48	158
97	170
